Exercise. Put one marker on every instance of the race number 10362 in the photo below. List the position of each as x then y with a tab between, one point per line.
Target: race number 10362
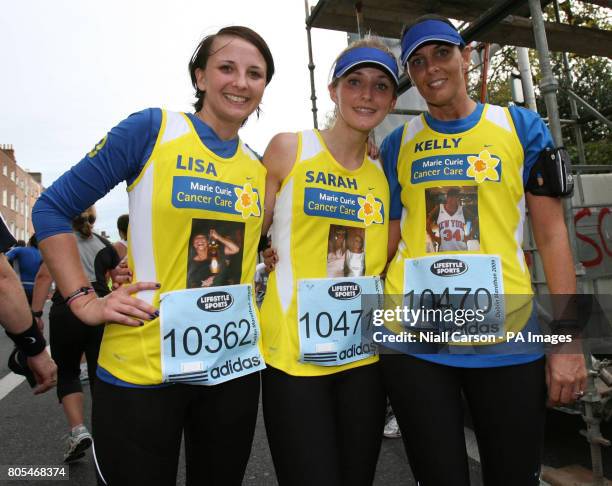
212	338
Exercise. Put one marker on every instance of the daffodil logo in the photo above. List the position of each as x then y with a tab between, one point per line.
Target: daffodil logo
97	148
483	166
246	201
370	210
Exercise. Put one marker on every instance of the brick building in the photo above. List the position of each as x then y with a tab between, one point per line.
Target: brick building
19	189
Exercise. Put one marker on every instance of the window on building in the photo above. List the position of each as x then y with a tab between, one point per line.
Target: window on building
12	204
5	170
13	175
4	197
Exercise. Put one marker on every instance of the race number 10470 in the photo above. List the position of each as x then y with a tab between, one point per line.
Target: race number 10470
463	297
324	323
212	339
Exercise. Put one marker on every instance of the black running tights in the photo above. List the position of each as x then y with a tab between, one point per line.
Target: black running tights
324	430
137	432
507	405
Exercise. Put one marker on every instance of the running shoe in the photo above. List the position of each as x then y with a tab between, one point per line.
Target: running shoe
392	430
79	440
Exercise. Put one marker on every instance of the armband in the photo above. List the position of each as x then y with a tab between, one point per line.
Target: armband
550	175
37	313
31	341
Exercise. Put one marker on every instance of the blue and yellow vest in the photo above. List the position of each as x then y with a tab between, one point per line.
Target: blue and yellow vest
484	162
184	188
312	203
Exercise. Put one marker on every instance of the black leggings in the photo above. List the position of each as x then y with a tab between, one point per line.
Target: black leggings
137	432
507	405
324	430
69	339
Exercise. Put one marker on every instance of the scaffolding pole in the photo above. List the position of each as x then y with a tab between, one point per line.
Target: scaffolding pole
311	68
522	54
359	17
573	108
549	86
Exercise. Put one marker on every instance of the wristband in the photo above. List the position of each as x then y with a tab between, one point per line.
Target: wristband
31	341
37	313
78	293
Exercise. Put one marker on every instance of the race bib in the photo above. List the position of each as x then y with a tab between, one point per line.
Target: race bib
455	293
209	336
335	319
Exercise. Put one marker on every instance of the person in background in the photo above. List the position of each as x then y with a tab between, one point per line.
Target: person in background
26	261
69	337
261	280
30	357
121	246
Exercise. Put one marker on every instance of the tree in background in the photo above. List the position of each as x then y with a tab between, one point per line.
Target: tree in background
592	81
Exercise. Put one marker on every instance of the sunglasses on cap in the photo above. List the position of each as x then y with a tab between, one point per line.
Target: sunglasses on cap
82	218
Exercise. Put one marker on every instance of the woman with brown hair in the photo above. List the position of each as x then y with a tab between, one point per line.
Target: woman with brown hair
495	153
182	170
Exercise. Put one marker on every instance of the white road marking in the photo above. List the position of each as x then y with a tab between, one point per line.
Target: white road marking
9	383
12	381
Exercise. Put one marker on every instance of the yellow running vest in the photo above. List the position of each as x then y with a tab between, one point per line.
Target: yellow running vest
484	165
320	231
184	194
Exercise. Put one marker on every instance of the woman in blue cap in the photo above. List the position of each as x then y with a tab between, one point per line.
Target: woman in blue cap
323	399
487	154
